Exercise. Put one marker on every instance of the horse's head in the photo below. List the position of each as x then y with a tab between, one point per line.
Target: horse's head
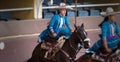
81	34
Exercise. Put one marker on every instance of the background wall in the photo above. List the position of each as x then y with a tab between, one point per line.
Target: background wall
117	8
19	4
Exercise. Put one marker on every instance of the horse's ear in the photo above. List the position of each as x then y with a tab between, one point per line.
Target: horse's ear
82	25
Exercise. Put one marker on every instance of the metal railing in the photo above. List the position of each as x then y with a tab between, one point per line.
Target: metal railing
16	9
88	5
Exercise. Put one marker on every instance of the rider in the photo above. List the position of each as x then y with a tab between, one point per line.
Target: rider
59	24
110	33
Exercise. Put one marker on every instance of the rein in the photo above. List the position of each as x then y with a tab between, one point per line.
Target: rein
68	56
76	50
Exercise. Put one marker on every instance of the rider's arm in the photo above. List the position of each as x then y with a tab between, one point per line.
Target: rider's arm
51	25
104	33
105	44
104	39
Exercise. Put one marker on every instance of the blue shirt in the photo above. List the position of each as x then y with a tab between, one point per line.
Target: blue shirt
109	29
56	21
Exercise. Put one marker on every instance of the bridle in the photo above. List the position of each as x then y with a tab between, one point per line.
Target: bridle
81	39
76	50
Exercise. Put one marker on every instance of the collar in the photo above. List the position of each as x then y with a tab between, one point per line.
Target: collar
111	22
61	15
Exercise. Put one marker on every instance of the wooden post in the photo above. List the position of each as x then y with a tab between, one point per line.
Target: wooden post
75	12
38	9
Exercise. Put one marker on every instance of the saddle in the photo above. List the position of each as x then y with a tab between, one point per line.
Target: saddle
52	47
53	43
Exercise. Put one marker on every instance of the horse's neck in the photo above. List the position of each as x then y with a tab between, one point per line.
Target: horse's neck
74	41
70	46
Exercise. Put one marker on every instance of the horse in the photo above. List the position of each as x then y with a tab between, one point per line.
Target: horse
68	51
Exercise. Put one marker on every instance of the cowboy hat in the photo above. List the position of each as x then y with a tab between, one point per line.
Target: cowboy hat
109	11
63	6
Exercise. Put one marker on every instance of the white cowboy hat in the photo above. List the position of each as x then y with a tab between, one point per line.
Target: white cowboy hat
109	11
63	6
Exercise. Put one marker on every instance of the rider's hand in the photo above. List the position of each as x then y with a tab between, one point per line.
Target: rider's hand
54	34
71	30
108	50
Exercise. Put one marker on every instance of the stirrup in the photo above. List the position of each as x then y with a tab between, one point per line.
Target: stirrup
50	55
46	55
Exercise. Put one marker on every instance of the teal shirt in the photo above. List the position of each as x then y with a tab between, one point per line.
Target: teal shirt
55	26
55	23
107	29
